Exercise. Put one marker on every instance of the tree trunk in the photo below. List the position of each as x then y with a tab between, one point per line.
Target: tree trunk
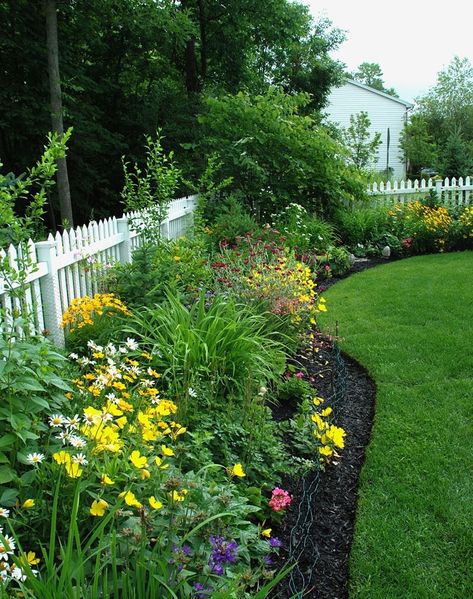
63	189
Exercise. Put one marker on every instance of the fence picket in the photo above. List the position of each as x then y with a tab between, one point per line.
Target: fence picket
57	274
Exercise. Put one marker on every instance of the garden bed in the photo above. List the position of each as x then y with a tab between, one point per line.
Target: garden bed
318	530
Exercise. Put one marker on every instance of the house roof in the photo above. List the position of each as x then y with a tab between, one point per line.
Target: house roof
379	93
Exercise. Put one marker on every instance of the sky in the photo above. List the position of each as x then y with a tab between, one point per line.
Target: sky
410	40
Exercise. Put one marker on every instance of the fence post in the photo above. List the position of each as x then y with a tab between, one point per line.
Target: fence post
50	291
438	188
124	247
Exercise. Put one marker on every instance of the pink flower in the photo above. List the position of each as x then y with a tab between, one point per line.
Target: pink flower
299	375
280	499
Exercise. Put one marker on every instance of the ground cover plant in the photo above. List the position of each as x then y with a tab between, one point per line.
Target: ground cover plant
410	324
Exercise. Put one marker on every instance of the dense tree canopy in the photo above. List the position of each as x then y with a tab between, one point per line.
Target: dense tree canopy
129	67
440	132
370	73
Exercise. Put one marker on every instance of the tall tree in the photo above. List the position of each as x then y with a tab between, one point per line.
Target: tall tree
361	143
370	73
64	192
450	101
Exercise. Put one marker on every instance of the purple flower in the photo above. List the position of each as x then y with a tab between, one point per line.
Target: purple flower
200	591
268	560
223	552
275	542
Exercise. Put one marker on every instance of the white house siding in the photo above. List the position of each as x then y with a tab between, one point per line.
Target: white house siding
384	112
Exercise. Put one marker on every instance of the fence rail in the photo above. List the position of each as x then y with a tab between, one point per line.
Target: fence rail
453	191
65	266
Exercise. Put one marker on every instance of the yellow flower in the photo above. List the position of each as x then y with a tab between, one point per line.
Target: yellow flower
27	504
237	470
326	451
62	457
138	460
167	451
266	532
155	503
326	412
106	480
130	499
29	558
177	258
98	507
120	422
159	462
179	495
145	474
73	470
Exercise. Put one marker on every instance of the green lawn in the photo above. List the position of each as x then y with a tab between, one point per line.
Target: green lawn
411	324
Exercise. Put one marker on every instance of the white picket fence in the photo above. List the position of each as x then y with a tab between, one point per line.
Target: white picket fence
66	265
453	191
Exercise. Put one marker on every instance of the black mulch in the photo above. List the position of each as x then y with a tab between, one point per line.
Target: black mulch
322	568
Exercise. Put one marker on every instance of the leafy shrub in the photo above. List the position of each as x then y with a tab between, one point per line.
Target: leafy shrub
231	222
303	232
276	154
361	225
31	386
461	230
179	266
334	262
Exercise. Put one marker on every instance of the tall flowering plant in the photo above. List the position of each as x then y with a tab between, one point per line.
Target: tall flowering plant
262	271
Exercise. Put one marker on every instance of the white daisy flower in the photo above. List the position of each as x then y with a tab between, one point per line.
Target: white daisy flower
192	392
77	442
7	547
35	458
131	344
56	420
73	356
17	573
73	422
89	419
86	361
147	383
111	349
4	513
64	436
80	458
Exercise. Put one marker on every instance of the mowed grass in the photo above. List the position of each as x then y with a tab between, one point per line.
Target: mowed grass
410	323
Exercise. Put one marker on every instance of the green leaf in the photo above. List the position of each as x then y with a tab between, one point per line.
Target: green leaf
9	497
59	383
7	441
39	401
28	477
29	384
7	474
